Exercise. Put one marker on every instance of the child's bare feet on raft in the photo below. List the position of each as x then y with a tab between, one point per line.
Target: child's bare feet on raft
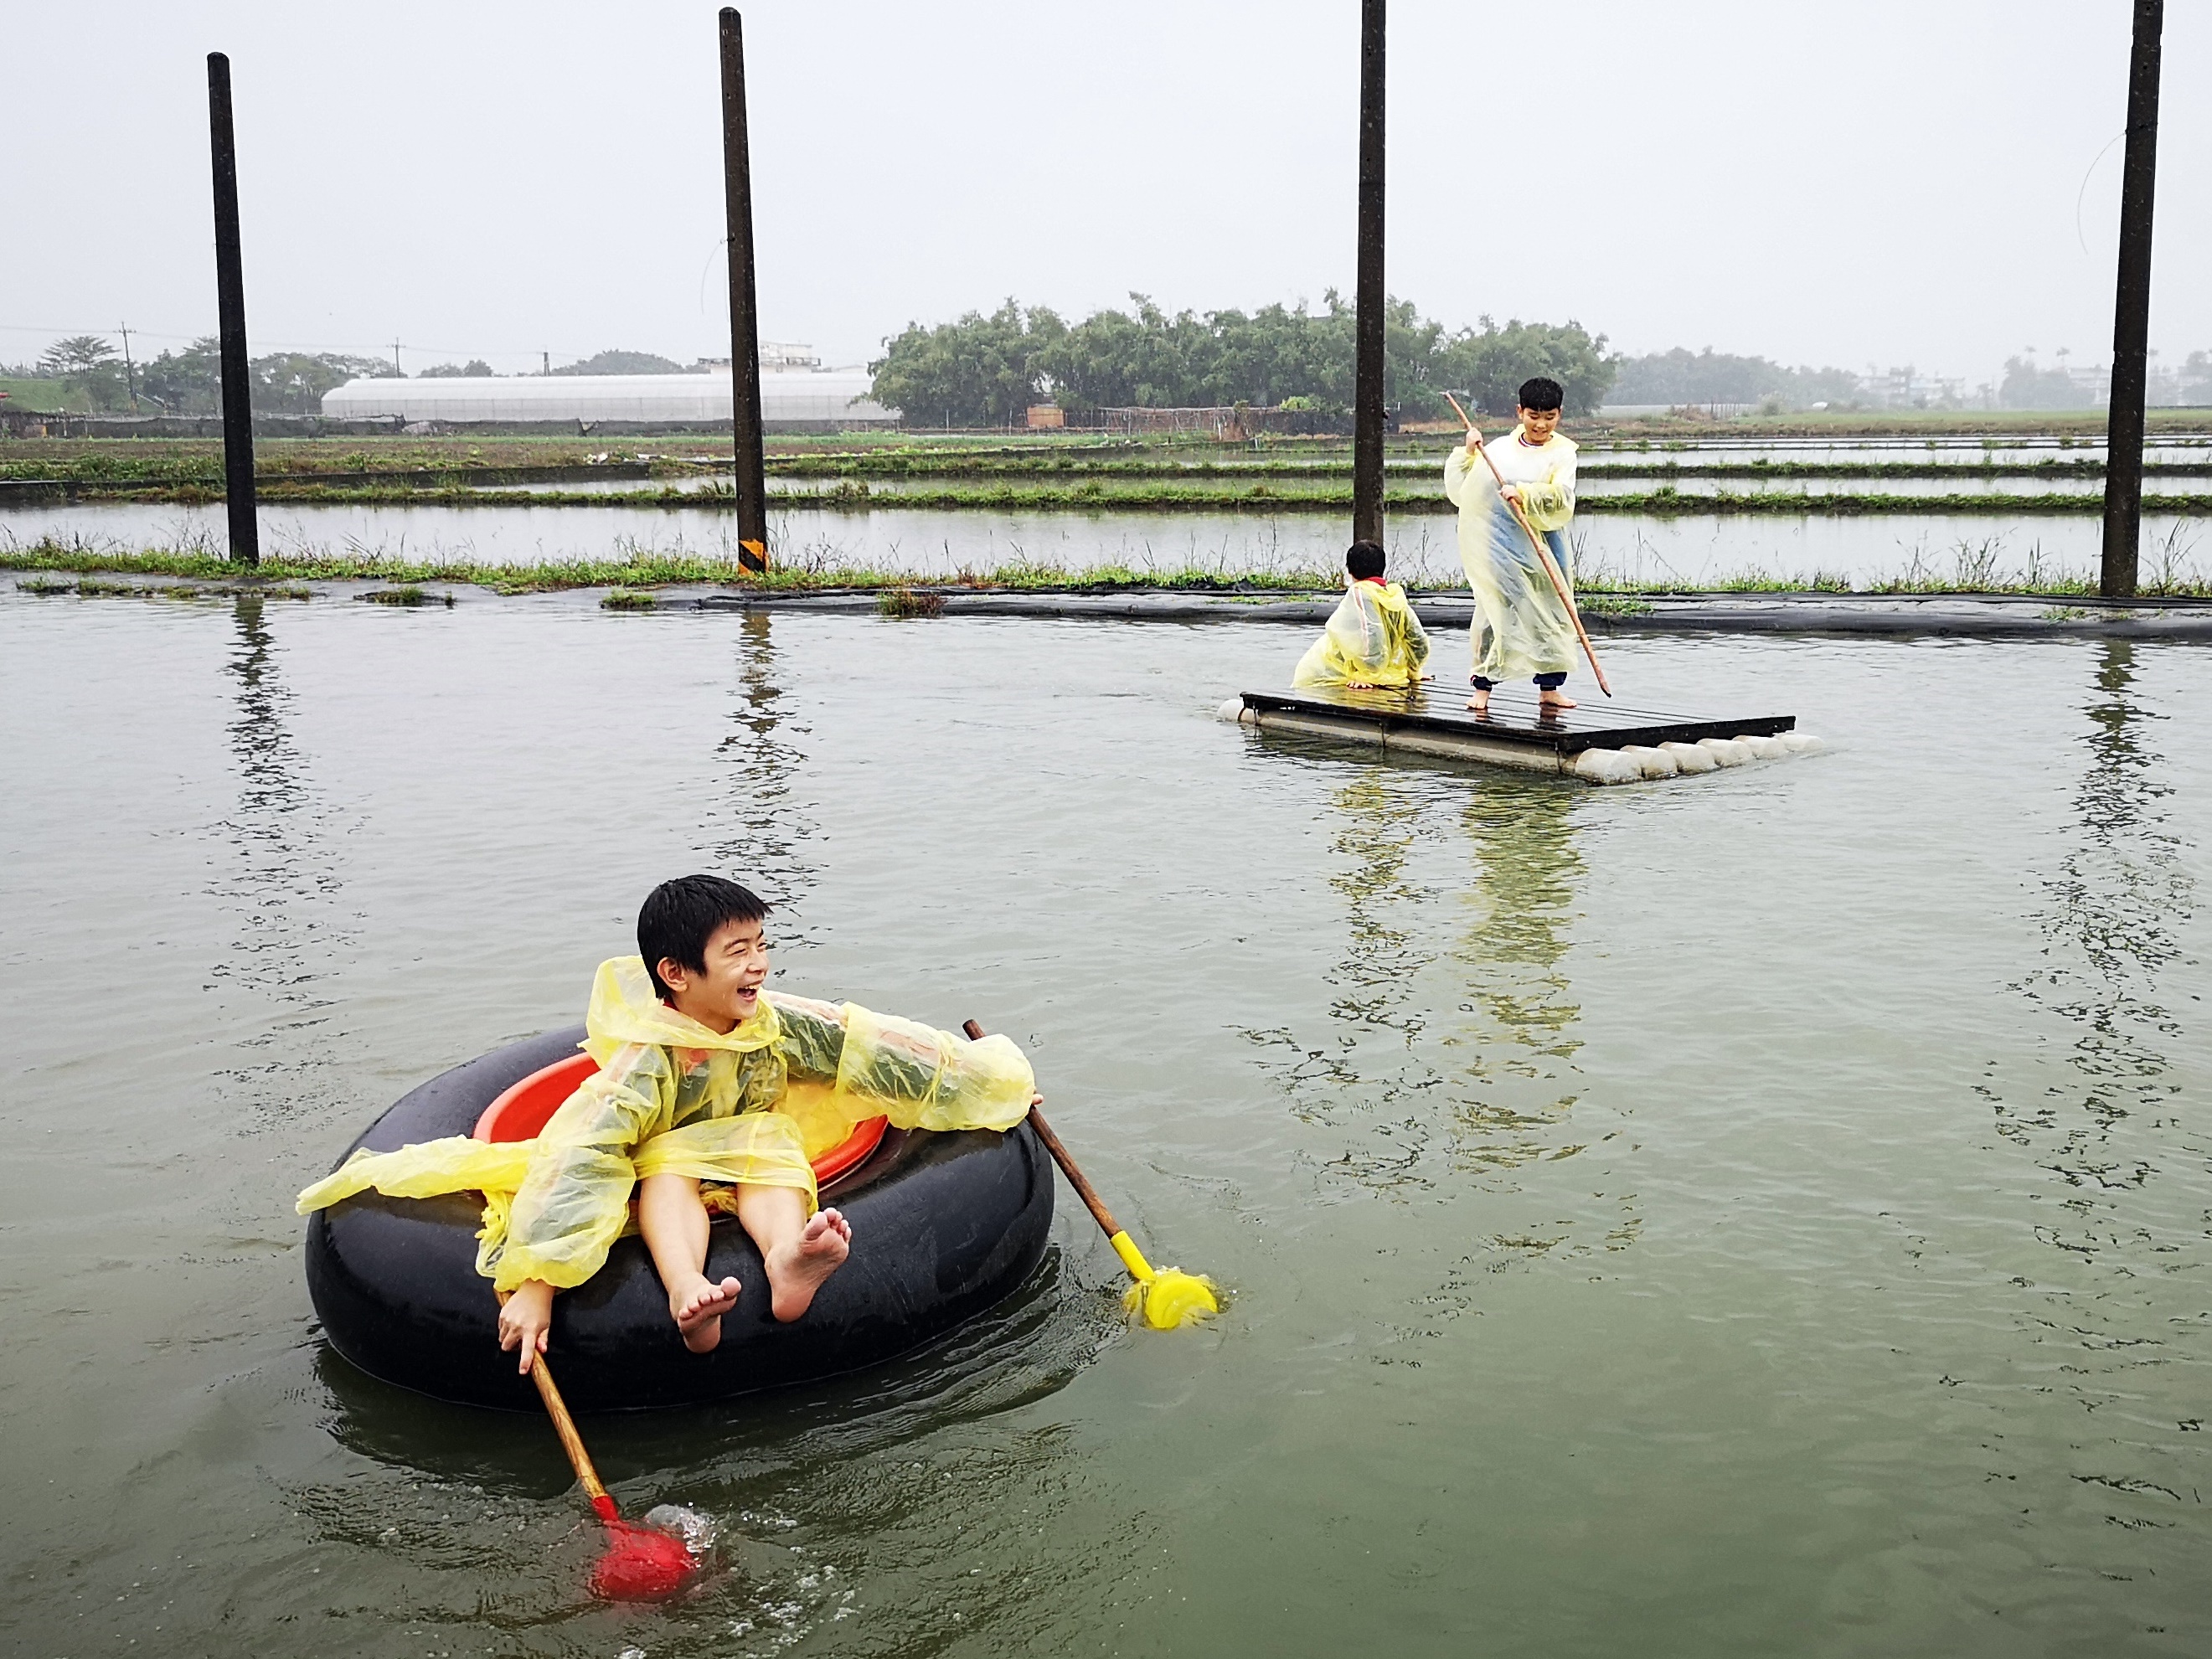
797	1270
1480	701
1555	700
698	1308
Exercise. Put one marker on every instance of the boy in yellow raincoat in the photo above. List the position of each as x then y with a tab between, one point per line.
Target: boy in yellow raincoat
1521	627
1373	637
703	1076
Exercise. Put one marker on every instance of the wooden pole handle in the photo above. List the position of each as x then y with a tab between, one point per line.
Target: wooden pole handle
1543	553
1084	1189
565	1426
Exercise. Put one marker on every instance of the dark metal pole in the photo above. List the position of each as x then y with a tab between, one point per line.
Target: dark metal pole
1367	395
744	314
230	314
2123	419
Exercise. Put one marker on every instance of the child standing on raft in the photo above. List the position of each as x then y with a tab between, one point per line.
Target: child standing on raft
1373	638
1522	628
704	1077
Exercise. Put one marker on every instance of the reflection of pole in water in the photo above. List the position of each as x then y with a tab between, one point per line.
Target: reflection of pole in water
278	868
1519	1041
2115	906
757	838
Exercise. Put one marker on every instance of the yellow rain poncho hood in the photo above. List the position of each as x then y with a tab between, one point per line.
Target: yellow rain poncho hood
748	1106
1373	638
1521	627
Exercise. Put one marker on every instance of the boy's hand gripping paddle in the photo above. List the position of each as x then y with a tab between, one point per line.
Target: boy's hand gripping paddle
640	1564
1167	1298
1543	553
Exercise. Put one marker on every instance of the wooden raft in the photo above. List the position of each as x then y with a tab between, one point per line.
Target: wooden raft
1584	741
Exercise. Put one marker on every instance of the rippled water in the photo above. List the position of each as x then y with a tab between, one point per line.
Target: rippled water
1687	551
1761	1213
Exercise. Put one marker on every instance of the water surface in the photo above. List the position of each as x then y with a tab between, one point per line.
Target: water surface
1762	1213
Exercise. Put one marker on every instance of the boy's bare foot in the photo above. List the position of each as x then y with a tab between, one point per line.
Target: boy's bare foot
797	1270
1556	700
1479	702
698	1308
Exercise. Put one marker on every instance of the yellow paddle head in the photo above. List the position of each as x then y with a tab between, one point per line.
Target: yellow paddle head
1168	1298
1172	1299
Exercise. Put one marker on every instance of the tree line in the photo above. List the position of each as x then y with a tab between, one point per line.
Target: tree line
986	369
190	381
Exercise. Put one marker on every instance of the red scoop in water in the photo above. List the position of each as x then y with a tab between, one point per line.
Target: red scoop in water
640	1564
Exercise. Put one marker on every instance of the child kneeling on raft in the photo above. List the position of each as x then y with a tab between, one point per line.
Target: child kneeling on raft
712	1094
1373	638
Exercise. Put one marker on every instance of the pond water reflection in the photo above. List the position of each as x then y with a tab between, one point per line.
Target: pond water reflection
1759	1213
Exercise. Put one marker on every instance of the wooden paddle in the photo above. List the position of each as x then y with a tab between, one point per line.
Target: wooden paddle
640	1564
1168	1298
1543	553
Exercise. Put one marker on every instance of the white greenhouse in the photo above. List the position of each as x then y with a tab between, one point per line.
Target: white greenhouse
822	397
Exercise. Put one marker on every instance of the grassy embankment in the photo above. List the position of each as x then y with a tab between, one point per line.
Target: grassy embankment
1970	569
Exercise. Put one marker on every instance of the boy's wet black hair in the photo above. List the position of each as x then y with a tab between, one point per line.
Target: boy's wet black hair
679	917
1364	560
1541	394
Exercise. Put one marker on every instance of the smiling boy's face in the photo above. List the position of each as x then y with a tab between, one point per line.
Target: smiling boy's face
1540	424
727	993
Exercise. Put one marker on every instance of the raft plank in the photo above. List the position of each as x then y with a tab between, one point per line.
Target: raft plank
1513	718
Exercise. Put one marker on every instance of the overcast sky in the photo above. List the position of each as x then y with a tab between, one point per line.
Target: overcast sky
1880	183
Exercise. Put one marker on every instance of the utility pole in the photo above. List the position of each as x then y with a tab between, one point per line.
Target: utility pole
396	374
129	375
2124	418
1367	395
230	312
744	315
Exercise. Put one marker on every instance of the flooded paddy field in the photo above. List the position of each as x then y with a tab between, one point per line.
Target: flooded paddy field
1761	1213
1673	550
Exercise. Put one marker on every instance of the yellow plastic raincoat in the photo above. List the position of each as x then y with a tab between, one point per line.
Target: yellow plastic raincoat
748	1106
1522	628
1373	637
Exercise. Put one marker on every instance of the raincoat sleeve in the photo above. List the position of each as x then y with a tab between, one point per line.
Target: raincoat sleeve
1550	502
811	1038
924	1078
1464	481
574	1198
423	1168
1417	642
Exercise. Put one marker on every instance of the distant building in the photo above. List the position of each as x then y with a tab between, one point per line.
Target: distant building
796	394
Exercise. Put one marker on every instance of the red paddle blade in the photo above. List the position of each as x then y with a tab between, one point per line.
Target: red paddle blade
641	1565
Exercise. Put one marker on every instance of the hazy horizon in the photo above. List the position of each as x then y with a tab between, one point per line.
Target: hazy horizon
1896	185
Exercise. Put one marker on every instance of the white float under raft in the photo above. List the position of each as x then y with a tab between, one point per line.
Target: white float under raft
1596	742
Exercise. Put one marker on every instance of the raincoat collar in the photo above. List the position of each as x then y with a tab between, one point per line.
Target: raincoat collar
626	1009
1391	596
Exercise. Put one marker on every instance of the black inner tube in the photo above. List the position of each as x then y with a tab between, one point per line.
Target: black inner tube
944	1226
